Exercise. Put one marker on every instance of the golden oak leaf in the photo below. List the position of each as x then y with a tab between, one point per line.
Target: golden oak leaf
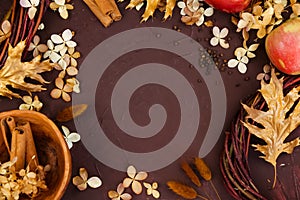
277	125
14	72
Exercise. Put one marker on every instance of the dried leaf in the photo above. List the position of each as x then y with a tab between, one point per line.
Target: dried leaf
71	112
277	126
15	71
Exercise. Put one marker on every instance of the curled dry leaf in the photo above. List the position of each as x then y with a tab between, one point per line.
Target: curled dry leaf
14	72
277	123
82	181
71	112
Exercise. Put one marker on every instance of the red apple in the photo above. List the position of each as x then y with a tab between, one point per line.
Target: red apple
283	47
230	6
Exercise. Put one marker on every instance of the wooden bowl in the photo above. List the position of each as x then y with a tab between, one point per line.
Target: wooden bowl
51	149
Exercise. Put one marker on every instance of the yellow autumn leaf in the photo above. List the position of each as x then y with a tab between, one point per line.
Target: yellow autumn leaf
14	72
277	125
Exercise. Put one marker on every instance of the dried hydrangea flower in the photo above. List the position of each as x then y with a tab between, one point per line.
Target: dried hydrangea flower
82	181
75	83
62	8
52	54
30	104
265	74
295	9
133	179
41	27
193	13
31	4
246	51
73	55
219	37
70	138
119	194
5	30
152	189
62	90
36	47
241	62
246	22
64	41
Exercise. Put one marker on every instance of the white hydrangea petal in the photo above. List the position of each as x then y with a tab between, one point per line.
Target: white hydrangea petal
136	187
224	32
31	12
35	2
182	12
131	171
141	176
127	182
94	182
214	41
65	130
126	196
181	4
216	31
24	107
62	64
155	194
224	44
60	2
67	35
232	63
59	47
208	12
74	137
31	47
253	47
245	59
71	43
195	5
250	54
35	52
56	39
25	3
54	57
200	21
242	68
36	40
50	44
63	12
6	27
69	143
120	188
42	48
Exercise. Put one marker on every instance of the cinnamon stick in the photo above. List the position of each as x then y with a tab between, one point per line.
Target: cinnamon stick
106	20
18	147
116	14
31	156
105	6
10	121
4	133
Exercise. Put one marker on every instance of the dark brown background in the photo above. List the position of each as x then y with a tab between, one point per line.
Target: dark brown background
89	33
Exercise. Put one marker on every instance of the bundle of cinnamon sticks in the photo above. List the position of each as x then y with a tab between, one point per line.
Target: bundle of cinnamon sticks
18	139
106	11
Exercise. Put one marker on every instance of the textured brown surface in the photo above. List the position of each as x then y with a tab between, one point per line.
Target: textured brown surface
89	33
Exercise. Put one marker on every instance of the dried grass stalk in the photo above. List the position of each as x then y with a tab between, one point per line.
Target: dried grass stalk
203	169
182	190
190	173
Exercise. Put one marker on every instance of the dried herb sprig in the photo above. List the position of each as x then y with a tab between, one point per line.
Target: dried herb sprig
190	173
184	191
205	173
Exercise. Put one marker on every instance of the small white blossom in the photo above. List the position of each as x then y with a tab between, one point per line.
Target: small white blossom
219	37
31	4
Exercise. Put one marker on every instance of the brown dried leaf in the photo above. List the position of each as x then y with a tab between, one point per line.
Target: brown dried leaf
15	71
71	112
276	125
